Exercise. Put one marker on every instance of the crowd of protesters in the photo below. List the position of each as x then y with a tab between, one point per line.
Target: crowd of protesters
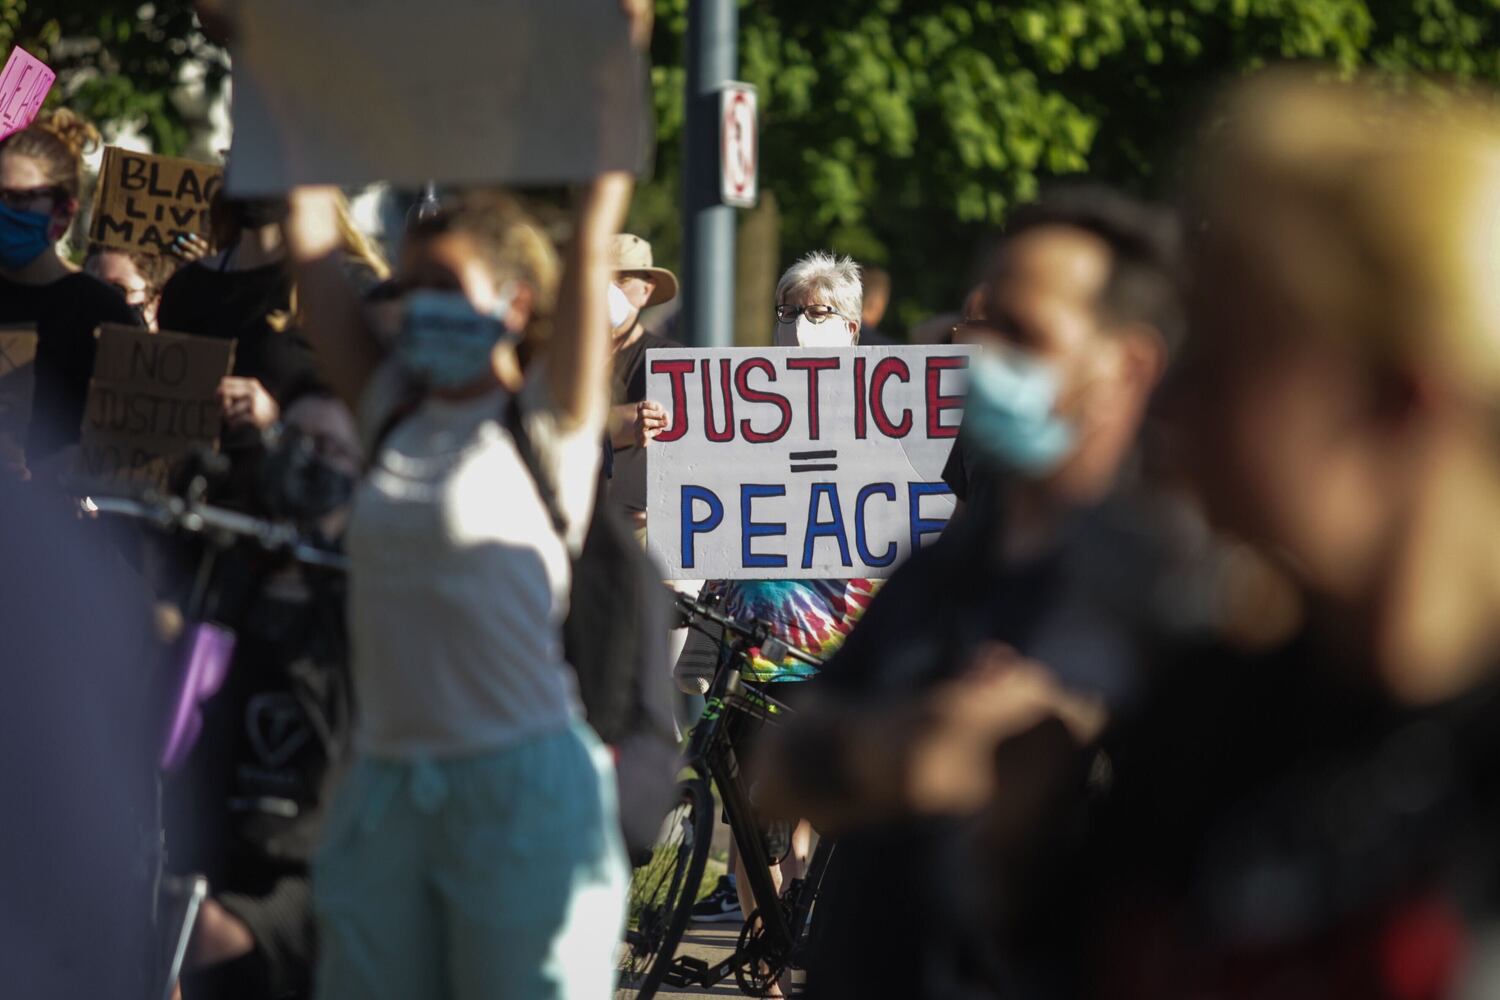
1195	696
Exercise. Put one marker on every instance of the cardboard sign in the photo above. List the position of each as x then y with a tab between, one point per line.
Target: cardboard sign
17	380
24	83
800	462
151	400
144	202
507	92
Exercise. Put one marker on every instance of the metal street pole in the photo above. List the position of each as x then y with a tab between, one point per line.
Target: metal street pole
708	244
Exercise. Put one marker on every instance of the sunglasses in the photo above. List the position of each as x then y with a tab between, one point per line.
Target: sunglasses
22	199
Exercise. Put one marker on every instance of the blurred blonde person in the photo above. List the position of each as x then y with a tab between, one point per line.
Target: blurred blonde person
818	304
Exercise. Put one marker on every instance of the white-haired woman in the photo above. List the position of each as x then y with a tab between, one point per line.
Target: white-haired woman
818	304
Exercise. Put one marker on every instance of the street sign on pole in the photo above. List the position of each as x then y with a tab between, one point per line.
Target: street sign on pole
739	145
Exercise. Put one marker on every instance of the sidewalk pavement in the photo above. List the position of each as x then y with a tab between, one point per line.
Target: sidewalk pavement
712	943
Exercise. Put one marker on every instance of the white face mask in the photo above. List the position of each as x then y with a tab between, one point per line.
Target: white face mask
832	332
619	307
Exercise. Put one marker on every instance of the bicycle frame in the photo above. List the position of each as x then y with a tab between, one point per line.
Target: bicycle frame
201	660
723	766
714	757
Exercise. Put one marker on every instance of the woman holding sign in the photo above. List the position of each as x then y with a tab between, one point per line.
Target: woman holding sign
41	175
818	304
474	849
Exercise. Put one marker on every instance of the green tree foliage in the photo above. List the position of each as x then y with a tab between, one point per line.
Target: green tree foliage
118	62
901	131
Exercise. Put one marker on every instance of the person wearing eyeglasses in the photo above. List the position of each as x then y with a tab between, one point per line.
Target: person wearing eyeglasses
136	275
41	175
819	301
818	305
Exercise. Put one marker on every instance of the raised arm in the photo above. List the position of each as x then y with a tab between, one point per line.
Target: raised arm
336	324
578	355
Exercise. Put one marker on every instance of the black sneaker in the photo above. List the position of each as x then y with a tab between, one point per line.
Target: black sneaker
721	906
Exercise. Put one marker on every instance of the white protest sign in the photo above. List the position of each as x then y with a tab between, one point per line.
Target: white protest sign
789	462
507	92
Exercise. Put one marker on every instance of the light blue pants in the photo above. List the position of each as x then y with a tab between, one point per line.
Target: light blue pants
479	878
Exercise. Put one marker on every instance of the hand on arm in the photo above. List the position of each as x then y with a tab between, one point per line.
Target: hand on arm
651	420
853	763
635	424
333	315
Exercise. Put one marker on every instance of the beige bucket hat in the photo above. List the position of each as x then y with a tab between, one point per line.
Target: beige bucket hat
632	255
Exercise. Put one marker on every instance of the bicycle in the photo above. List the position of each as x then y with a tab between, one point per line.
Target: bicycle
663	891
201	659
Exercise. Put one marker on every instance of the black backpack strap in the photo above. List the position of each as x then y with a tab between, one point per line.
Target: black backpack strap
517	427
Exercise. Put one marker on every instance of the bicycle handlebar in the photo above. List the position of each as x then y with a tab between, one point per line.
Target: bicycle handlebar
172	513
758	633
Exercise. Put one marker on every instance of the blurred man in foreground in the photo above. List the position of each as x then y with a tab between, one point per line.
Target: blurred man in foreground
1073	324
1323	822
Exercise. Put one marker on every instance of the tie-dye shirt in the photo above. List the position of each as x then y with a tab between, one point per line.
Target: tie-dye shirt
814	616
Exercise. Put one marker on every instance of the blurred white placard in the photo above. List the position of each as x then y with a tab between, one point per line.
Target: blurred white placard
456	91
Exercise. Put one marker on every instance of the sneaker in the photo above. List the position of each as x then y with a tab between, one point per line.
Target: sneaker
721	906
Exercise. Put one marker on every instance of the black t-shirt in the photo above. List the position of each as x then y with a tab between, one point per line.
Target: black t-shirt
250	799
1275	821
247	306
971	476
65	312
627	485
1086	609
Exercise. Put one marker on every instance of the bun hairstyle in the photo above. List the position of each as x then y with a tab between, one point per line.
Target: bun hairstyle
505	235
59	140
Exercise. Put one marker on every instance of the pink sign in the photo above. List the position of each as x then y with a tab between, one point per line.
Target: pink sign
23	87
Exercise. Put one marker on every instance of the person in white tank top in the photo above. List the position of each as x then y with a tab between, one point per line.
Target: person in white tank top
474	849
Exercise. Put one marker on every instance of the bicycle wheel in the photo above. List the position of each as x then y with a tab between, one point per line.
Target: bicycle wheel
663	891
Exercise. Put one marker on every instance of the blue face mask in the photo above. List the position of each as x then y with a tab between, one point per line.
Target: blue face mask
1008	415
446	342
23	237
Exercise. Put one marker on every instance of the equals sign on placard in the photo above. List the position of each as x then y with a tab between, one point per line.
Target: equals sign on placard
807	461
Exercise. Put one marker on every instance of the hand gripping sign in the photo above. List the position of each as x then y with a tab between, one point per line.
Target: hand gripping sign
795	462
144	202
